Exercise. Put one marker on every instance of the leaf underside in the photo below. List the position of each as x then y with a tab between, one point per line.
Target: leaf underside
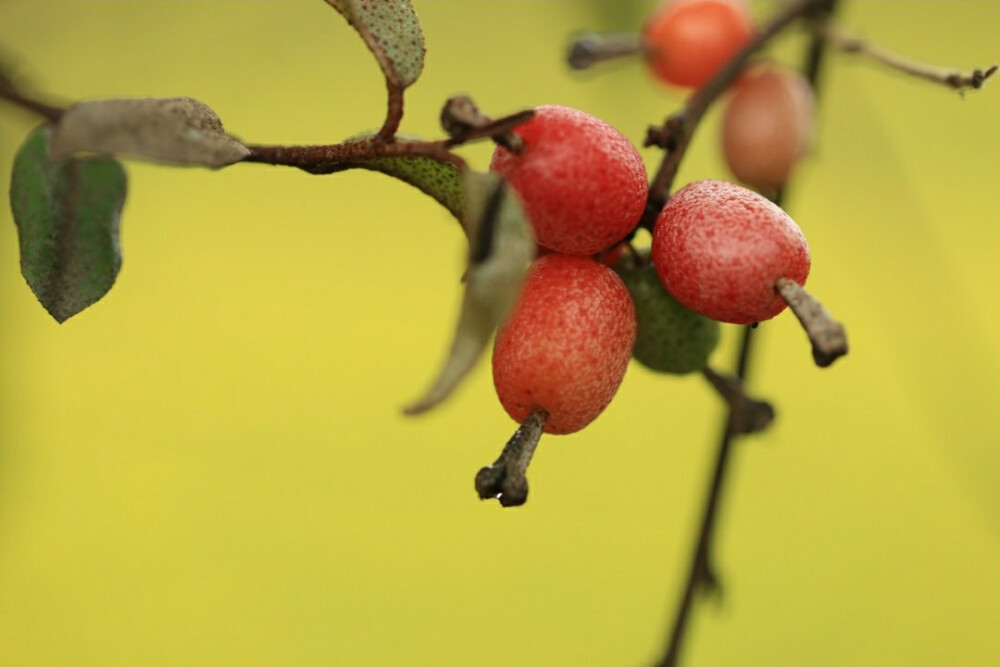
179	130
501	246
67	214
440	180
392	32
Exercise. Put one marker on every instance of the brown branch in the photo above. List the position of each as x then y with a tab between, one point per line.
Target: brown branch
460	118
702	575
950	78
325	159
13	94
676	133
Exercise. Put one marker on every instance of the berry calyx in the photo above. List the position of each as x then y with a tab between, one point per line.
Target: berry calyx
582	183
767	126
567	343
669	337
688	41
720	249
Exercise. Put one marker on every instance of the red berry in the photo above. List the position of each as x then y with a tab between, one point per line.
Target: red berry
719	248
767	126
567	343
612	256
688	41
582	183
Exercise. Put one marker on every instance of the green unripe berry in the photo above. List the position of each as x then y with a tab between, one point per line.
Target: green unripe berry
669	337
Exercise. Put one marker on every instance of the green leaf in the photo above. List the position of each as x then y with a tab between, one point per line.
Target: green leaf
67	214
392	32
181	130
440	180
501	245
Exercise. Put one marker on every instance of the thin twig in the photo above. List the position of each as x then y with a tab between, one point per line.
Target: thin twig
593	48
950	78
394	112
325	159
702	574
12	93
460	118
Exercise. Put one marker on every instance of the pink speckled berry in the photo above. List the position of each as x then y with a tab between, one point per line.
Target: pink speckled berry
582	183
567	344
719	248
767	126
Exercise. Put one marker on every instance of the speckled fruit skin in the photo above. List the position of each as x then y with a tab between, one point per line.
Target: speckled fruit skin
669	337
767	126
567	343
688	41
582	183
718	249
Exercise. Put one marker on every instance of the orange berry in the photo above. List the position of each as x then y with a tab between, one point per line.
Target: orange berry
688	41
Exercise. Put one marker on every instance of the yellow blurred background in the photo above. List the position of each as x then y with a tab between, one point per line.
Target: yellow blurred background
210	466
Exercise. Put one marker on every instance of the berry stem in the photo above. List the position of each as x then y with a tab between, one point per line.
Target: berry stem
828	338
394	112
593	48
506	478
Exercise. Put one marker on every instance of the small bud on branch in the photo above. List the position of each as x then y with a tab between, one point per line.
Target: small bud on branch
464	122
746	415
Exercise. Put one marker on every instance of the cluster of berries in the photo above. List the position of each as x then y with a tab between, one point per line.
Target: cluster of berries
767	120
718	249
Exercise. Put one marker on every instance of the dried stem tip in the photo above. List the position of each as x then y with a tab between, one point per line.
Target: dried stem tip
591	48
828	338
941	75
505	480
